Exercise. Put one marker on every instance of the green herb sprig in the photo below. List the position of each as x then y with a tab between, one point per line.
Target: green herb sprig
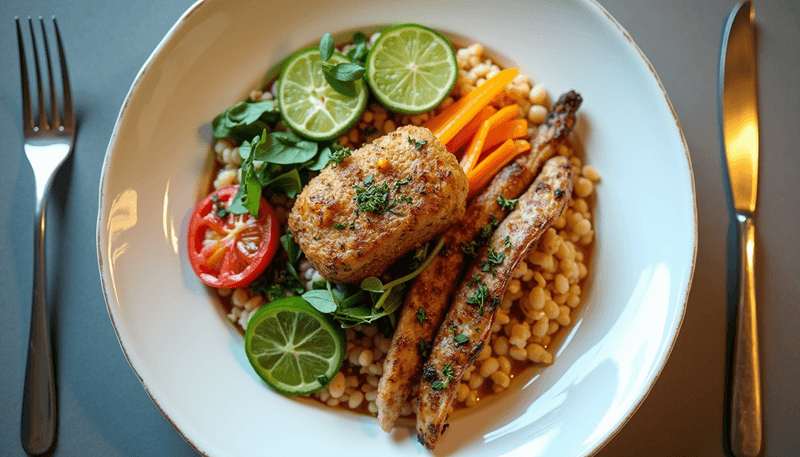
341	77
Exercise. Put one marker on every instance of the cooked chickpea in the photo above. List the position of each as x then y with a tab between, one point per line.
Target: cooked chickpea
337	385
475	382
489	366
583	188
518	353
501	379
472	398
505	364
501	345
540	327
462	392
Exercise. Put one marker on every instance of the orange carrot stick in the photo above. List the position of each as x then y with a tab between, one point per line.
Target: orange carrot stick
479	140
473	102
463	137
436	122
516	128
480	175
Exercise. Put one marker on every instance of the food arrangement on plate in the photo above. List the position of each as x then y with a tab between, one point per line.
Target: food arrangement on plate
399	228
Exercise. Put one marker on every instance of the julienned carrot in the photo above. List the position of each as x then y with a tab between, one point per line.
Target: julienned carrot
463	137
478	142
437	122
473	102
515	128
480	175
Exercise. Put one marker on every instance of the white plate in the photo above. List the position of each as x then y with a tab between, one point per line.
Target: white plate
191	361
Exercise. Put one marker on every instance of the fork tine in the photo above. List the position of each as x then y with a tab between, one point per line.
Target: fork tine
69	115
55	120
42	113
27	114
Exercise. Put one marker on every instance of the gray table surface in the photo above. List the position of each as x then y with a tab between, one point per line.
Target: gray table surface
103	409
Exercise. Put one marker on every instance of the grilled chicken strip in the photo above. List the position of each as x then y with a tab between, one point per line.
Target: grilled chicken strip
392	195
468	324
431	290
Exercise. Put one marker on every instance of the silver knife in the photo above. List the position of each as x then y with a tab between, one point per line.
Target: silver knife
738	104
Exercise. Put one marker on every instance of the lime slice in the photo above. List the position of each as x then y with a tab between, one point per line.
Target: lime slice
411	68
293	347
309	105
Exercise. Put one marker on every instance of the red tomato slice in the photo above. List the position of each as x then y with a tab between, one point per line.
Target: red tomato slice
231	251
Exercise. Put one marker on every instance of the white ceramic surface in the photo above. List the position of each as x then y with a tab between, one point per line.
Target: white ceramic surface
191	361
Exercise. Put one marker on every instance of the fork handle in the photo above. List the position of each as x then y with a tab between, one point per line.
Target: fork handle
745	413
38	428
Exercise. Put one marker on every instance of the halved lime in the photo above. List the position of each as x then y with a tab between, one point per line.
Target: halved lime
309	105
411	68
293	347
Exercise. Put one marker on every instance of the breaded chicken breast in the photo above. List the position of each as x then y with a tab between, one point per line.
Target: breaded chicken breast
355	219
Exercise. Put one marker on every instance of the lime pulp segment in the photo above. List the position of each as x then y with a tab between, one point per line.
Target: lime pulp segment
310	106
411	68
293	347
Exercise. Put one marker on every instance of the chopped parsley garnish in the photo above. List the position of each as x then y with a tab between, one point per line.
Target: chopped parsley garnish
474	280
422	316
488	229
447	371
339	153
417	144
402	182
453	329
470	248
371	198
322	379
495	258
339	226
460	339
506	203
479	298
424	348
492	258
507	242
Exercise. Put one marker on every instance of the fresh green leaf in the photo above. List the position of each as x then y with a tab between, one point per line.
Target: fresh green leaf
346	88
372	284
288	182
322	160
322	300
438	385
460	339
359	51
326	46
245	120
346	72
291	247
285	148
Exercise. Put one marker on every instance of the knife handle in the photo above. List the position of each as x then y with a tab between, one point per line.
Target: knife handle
746	426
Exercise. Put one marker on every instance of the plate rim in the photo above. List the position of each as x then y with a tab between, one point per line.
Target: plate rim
175	28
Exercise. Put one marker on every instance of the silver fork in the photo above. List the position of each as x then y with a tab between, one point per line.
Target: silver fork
46	145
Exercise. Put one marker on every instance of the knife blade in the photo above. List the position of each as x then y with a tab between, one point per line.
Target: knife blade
738	107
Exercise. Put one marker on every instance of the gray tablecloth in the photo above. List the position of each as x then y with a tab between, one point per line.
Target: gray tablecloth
105	411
